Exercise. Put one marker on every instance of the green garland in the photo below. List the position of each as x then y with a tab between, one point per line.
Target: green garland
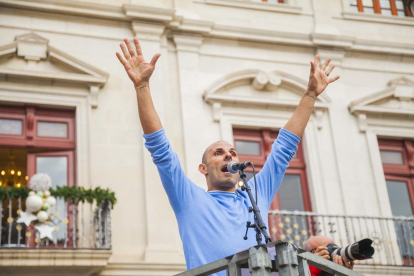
74	194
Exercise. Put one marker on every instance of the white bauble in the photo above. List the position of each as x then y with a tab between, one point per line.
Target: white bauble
34	203
51	201
31	193
46	193
40	182
42	216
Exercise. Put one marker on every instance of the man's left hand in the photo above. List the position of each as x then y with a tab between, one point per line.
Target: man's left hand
342	261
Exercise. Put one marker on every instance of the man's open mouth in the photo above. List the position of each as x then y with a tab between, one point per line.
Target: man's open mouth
224	168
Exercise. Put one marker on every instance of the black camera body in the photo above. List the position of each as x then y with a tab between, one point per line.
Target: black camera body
361	250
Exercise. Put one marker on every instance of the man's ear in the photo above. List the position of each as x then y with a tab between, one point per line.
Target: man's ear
202	168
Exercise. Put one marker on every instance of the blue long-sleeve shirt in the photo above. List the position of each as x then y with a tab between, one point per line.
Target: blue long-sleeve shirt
212	224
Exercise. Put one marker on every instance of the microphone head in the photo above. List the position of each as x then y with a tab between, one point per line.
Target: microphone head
231	169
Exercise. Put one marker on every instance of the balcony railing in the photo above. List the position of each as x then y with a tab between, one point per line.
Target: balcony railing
393	237
76	225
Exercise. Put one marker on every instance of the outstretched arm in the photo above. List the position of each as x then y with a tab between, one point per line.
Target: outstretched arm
140	72
318	81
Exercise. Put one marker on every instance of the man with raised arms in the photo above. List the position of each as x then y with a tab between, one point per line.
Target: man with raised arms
212	224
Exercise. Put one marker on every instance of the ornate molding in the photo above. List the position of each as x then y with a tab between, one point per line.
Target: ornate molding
188	43
393	103
34	48
265	84
175	22
148	31
274	7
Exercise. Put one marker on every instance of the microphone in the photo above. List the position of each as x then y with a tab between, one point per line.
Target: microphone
234	167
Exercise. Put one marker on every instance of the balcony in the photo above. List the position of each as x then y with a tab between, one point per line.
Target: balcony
75	240
393	237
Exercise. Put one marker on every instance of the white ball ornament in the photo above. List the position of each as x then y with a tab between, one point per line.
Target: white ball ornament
34	203
46	193
40	182
51	201
31	193
42	216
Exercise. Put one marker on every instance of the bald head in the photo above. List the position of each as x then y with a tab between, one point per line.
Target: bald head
205	154
316	241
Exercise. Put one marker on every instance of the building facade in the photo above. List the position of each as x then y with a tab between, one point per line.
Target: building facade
230	70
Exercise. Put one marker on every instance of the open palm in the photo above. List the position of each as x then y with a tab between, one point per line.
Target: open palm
319	77
138	70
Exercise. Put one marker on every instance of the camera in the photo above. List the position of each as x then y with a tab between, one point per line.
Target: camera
360	250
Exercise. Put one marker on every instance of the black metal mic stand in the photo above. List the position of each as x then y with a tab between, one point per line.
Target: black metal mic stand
258	225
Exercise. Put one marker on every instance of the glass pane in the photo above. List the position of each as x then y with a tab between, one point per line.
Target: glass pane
249	175
48	129
353	2
290	193
391	157
401	13
250	148
354	9
399	198
56	168
368	10
367	3
386	12
11	126
399	4
385	4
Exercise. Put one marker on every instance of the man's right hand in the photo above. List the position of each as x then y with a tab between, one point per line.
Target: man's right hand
133	61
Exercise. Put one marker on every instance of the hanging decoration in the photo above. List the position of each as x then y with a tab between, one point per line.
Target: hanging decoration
41	200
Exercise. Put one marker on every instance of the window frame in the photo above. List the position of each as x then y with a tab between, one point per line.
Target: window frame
30	116
378	10
297	165
403	172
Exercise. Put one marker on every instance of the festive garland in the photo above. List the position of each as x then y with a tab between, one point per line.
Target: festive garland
74	194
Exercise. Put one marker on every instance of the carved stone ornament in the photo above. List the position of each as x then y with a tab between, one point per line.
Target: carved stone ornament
256	89
393	103
36	51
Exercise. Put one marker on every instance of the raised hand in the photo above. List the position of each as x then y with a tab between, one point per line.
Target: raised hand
138	70
319	77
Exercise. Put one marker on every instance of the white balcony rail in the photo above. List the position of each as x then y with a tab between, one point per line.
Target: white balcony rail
81	225
393	237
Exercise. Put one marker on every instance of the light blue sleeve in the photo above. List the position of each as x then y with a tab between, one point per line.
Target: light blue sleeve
179	188
271	175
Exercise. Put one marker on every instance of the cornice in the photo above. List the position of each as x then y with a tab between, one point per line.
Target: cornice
176	23
69	7
377	18
272	7
148	13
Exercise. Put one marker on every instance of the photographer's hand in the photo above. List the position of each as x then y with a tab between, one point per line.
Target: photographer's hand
342	261
322	251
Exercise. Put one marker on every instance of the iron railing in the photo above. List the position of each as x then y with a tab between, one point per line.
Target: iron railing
285	259
393	237
80	225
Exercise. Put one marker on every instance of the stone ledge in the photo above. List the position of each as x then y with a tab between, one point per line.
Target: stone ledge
45	262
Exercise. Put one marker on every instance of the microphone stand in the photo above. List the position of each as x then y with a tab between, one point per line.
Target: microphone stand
258	225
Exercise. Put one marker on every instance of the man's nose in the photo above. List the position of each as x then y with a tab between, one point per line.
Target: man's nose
228	156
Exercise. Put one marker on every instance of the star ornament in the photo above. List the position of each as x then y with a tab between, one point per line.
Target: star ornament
45	231
26	218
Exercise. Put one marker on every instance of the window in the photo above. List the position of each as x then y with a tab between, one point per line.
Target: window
386	7
255	146
37	140
398	162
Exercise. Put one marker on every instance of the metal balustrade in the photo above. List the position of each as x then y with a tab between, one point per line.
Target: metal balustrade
393	237
287	261
76	226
